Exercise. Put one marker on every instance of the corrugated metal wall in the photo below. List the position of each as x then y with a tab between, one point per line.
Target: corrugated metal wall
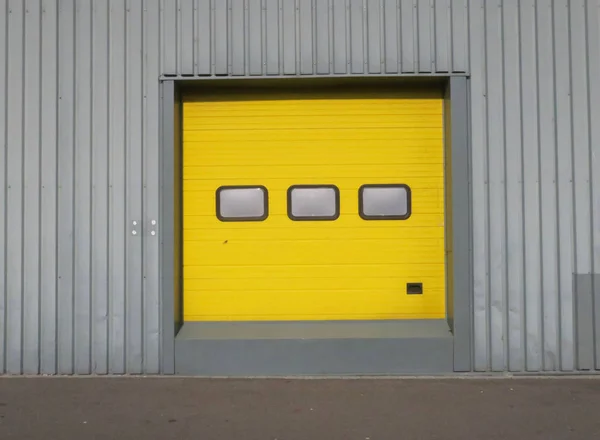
79	118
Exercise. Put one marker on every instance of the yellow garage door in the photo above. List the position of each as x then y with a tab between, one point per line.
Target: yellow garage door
313	207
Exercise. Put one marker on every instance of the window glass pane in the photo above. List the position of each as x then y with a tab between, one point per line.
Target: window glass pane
308	202
384	202
242	203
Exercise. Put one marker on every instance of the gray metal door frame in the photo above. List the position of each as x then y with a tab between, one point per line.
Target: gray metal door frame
456	133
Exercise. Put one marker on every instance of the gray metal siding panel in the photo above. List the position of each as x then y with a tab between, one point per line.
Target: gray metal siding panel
82	189
305	20
408	26
424	34
532	288
303	37
584	299
391	35
515	307
14	190
323	36
222	44
187	39
443	35
49	167
169	33
273	33
340	42
564	149
120	226
237	11
134	321
31	188
3	176
202	33
357	53
99	180
255	37
374	14
151	185
548	183
66	169
79	112
479	160
593	57
496	208
459	35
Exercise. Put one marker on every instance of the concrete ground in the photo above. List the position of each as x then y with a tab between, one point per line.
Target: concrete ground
267	409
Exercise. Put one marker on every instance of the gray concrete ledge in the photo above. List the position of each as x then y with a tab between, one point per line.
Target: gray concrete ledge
314	349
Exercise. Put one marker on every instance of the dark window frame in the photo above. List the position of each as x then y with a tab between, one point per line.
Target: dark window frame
242	219
292	217
385	217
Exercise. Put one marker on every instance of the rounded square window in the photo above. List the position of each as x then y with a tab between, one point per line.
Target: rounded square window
242	203
313	202
384	202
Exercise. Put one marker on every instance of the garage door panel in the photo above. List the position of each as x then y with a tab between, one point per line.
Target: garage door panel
287	233
350	134
396	284
314	252
315	107
307	305
311	122
347	184
293	152
291	271
301	172
281	220
349	268
202	202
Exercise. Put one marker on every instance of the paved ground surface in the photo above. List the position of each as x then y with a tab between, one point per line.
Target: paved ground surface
180	408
